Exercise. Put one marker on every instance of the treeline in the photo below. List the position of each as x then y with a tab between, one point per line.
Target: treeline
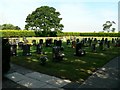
31	33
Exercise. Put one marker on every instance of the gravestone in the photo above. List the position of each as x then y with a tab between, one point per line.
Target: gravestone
5	56
41	41
85	40
79	51
13	49
20	45
73	44
108	44
39	49
101	45
55	42
95	40
26	50
94	47
34	42
113	40
68	42
59	43
106	40
103	40
89	41
51	41
77	40
57	54
82	42
48	42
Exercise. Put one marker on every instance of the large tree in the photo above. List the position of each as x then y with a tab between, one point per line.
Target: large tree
9	26
44	19
107	26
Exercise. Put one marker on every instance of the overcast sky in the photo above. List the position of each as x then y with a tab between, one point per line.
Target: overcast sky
78	15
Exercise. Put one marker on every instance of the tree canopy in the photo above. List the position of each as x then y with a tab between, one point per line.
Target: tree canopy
9	26
44	19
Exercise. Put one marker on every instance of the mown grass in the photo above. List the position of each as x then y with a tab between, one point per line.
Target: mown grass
76	69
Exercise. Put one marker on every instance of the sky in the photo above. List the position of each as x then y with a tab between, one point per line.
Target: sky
77	15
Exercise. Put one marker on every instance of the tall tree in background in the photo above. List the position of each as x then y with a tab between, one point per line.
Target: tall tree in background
9	26
107	26
44	19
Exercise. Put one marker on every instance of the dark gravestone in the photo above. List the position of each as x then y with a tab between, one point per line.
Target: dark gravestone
55	42
101	45
26	50
79	51
41	41
77	40
85	40
48	42
13	50
39	48
113	40
95	40
20	45
106	40
34	42
89	42
5	56
59	43
103	40
68	42
57	54
93	47
108	44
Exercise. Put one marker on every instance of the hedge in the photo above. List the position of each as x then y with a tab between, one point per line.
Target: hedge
16	33
30	33
101	34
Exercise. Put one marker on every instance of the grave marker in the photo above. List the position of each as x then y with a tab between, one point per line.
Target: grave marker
79	51
39	49
13	49
26	50
57	54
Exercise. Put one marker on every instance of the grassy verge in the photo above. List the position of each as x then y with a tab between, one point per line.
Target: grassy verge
76	69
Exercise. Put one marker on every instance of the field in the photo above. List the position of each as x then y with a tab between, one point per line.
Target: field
74	68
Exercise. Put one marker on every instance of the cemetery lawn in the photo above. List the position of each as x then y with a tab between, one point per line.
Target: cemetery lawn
74	68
